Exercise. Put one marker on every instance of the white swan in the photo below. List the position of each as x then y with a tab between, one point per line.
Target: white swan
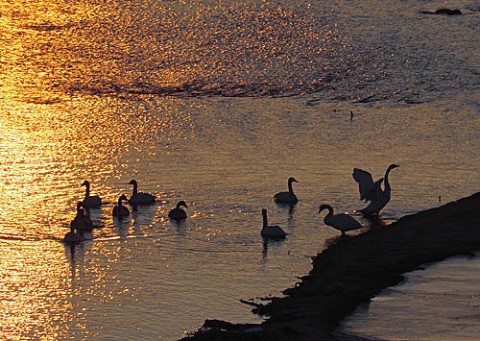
287	197
177	213
271	231
341	221
90	201
372	191
120	210
140	198
82	222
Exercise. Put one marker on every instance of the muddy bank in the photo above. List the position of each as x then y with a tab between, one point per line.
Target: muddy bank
354	270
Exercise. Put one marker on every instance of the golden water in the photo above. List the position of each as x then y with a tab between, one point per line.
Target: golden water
109	92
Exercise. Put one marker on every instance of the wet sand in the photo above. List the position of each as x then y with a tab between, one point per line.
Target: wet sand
355	269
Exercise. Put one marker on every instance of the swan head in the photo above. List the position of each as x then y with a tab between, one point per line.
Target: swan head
264	212
80	208
392	166
182	203
133	182
123	197
324	207
291	179
85	183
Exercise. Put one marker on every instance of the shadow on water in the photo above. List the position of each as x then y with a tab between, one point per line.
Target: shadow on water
268	243
290	207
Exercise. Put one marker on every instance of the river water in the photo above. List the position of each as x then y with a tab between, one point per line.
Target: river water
217	103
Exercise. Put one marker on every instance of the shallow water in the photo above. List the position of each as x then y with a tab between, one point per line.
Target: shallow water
108	92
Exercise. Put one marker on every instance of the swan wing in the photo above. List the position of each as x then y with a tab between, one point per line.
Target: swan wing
273	231
92	201
345	222
142	198
376	205
365	183
285	197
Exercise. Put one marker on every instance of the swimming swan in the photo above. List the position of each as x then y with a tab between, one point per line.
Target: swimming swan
72	237
271	231
287	197
82	222
370	191
90	201
341	221
120	210
177	213
140	198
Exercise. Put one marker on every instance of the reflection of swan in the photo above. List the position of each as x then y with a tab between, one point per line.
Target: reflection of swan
370	191
140	198
271	231
90	201
286	197
72	237
177	213
120	210
341	221
82	222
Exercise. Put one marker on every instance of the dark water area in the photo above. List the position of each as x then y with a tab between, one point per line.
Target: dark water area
217	103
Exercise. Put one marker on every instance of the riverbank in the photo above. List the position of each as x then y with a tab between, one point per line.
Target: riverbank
354	270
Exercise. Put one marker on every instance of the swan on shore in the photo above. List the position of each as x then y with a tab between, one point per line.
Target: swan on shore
90	201
82	222
340	221
271	231
140	198
120	210
372	191
287	197
178	213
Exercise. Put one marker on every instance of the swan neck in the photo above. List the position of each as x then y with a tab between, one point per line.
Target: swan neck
386	183
135	188
120	201
290	187
265	221
87	191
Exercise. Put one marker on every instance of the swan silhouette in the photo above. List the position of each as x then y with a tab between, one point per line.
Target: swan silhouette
140	198
90	201
72	237
178	213
287	197
271	231
82	222
340	221
120	210
372	191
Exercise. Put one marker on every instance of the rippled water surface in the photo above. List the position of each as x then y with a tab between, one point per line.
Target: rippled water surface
218	104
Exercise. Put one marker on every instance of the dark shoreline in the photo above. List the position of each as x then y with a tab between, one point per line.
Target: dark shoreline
354	270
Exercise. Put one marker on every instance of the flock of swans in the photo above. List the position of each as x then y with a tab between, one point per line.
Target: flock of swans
370	191
82	224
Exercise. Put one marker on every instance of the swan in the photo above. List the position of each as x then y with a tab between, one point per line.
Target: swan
140	198
72	237
340	221
177	213
90	201
287	197
82	222
271	231
372	191
120	210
